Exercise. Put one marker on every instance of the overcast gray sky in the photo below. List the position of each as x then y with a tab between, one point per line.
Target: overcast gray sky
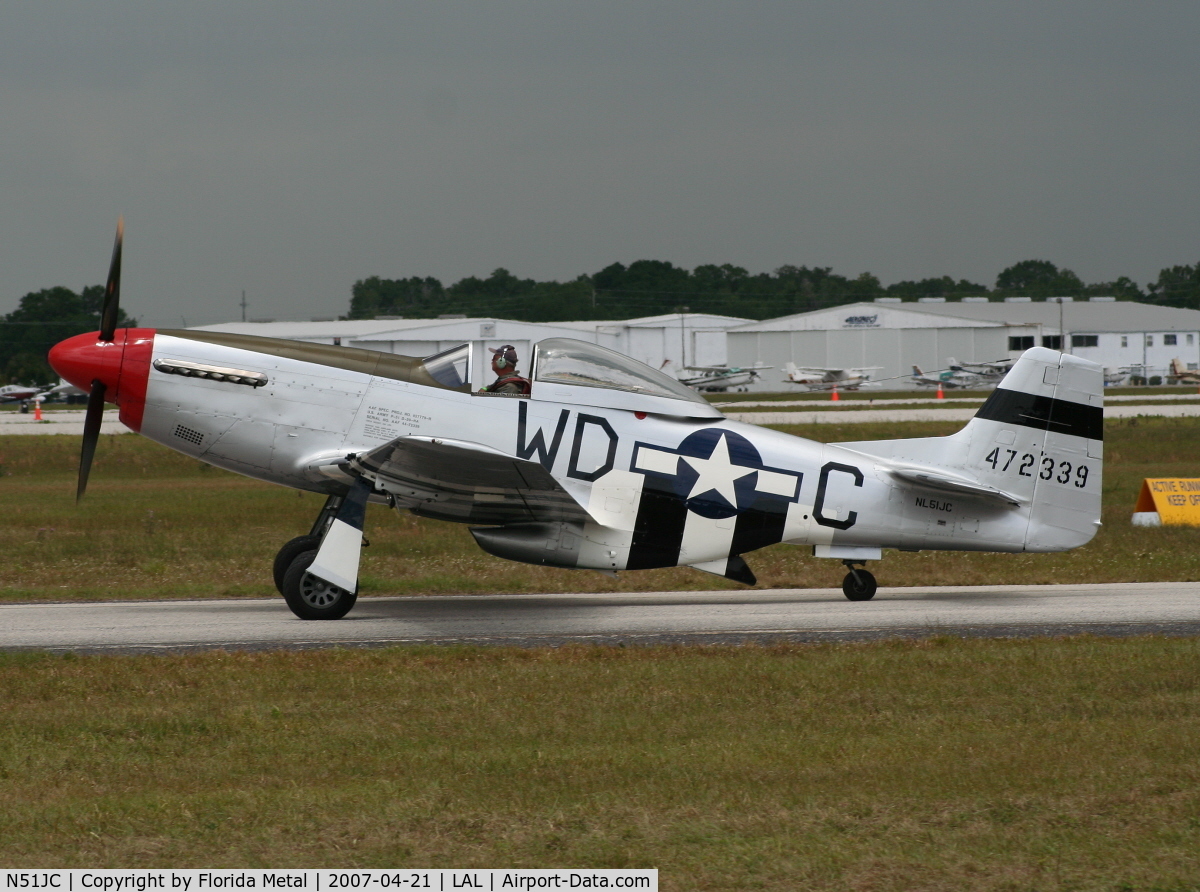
289	149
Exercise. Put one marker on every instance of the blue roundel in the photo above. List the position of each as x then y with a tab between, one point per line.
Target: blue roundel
720	479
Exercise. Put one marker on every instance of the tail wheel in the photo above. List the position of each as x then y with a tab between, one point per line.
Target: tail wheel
859	585
311	597
290	551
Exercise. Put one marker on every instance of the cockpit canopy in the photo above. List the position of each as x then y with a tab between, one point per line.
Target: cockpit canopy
567	361
567	370
450	367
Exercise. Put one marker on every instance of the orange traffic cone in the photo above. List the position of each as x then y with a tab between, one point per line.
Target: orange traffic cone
834	397
37	410
940	395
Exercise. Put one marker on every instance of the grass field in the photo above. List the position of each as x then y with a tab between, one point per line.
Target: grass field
941	765
935	765
156	524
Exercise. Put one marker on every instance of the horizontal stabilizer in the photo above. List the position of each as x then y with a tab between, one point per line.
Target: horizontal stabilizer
952	483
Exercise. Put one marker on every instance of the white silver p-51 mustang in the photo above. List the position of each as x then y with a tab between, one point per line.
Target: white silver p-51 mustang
606	464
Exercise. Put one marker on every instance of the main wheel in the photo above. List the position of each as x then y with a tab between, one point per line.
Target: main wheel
311	597
289	553
859	586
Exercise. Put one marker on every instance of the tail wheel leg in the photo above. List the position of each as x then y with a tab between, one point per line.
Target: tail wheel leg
859	585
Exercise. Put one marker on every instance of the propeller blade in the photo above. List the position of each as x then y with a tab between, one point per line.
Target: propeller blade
112	290
91	434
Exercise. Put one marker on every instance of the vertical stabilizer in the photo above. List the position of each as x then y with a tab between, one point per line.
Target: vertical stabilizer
1060	413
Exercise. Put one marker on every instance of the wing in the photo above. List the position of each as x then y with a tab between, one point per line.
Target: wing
843	372
467	482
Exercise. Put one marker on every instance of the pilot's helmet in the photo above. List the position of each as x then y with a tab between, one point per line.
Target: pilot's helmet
505	357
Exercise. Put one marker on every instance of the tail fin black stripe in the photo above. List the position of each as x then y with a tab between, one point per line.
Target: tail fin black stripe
1043	413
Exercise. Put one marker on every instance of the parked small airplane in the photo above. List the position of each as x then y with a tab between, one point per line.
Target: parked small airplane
817	378
987	371
603	464
1181	374
948	378
1113	378
63	388
15	393
716	378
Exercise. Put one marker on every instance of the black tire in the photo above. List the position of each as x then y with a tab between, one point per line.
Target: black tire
288	553
310	597
859	586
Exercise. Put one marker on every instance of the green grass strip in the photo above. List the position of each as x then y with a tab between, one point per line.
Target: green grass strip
156	524
943	764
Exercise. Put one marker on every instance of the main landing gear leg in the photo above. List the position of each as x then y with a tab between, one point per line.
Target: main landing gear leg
296	547
321	582
859	585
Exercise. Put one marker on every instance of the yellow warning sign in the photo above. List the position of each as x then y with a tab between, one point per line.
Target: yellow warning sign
1175	501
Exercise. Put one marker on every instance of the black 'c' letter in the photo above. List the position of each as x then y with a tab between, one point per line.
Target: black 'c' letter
852	517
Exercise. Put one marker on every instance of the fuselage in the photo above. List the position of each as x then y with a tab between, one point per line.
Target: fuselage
11	393
690	490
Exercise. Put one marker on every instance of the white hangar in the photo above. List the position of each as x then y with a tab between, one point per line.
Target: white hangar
893	336
682	339
927	333
886	332
1116	334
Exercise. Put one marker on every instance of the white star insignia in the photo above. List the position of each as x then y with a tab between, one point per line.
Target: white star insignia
717	473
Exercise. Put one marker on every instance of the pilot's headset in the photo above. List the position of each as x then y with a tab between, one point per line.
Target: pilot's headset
506	357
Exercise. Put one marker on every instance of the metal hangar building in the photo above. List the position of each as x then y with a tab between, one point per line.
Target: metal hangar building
927	333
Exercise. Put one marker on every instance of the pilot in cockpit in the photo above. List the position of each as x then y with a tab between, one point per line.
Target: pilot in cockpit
508	380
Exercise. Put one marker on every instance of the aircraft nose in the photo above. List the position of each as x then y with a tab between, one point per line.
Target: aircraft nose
85	358
123	364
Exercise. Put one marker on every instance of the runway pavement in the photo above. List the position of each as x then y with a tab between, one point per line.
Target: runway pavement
662	617
58	421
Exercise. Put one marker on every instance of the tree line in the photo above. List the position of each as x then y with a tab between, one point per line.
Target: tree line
653	287
42	319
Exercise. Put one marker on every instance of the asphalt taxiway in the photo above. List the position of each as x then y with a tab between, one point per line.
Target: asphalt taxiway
611	619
